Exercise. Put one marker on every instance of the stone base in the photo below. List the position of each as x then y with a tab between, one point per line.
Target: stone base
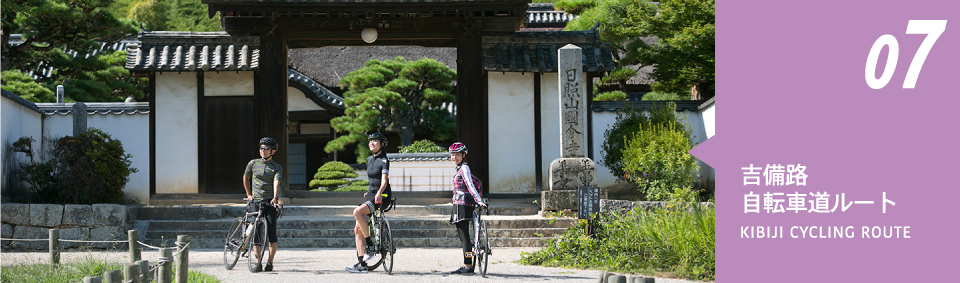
561	200
571	173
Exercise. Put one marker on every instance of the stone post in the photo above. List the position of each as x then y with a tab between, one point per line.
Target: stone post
79	118
54	247
182	259
165	274
92	279
132	237
572	169
131	273
112	276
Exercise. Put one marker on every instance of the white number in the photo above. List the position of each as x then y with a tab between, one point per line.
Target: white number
933	30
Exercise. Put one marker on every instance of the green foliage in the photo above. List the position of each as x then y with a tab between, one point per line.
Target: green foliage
89	168
651	151
152	13
680	242
422	146
176	15
657	160
684	29
48	43
665	96
355	186
75	271
23	85
615	95
331	175
395	96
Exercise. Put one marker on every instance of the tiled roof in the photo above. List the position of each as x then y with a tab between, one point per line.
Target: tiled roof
19	100
101	108
433	156
323	93
193	51
537	51
539	14
613	106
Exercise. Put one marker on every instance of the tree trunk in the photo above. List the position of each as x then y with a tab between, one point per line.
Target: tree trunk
406	136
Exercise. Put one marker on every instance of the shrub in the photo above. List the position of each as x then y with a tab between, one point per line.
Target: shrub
355	186
89	168
667	240
331	175
657	160
615	95
629	121
422	146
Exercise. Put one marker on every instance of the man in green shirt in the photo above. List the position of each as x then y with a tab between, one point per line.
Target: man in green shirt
264	174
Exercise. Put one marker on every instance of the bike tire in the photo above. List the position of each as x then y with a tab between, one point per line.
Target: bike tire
386	246
233	244
378	239
255	259
484	249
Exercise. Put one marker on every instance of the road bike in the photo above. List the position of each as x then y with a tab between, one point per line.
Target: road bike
243	237
481	244
382	236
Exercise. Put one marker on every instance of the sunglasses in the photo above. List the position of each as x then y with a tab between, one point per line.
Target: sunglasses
265	148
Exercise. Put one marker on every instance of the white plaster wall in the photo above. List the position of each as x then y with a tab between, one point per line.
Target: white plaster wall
511	138
227	83
549	124
176	128
133	132
298	101
601	122
17	122
421	176
709	115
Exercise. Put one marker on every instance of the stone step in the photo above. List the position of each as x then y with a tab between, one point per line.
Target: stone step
223	211
450	232
347	223
217	243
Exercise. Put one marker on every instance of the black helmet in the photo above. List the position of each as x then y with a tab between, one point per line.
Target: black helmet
378	136
272	143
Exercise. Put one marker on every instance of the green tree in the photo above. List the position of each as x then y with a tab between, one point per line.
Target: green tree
331	175
398	96
66	36
151	13
176	15
629	122
684	31
422	146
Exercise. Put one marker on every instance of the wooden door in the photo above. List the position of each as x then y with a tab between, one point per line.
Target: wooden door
228	141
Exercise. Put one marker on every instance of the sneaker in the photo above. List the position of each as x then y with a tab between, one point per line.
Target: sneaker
259	268
359	268
268	267
463	270
369	254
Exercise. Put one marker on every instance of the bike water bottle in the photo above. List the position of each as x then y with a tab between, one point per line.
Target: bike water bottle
249	230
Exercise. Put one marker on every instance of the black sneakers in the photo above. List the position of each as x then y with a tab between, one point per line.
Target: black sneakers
360	267
463	270
268	267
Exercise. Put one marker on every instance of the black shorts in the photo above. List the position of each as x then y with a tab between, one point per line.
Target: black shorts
270	215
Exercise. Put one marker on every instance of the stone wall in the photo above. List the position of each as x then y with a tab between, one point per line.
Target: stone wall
97	222
622	206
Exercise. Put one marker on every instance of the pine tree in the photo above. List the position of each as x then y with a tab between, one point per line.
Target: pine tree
331	175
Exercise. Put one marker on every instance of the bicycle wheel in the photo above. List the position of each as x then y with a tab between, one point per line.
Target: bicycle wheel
377	236
386	246
254	258
483	254
233	244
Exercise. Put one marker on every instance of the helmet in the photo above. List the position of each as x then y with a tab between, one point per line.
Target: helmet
269	142
377	135
458	147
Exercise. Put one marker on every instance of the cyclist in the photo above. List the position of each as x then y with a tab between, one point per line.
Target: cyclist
378	170
465	197
264	175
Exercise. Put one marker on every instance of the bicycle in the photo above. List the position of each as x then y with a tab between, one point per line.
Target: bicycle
481	244
382	237
240	239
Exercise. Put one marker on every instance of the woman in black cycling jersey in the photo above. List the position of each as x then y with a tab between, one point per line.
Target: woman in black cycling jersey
465	197
378	170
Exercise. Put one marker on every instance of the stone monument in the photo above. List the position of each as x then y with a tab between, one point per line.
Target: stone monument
573	169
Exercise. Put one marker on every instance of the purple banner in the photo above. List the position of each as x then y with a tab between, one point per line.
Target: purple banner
878	202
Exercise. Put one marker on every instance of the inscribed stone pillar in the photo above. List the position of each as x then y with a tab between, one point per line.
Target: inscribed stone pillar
572	169
79	118
573	107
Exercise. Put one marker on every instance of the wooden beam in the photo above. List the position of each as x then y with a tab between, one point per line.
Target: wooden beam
310	116
471	105
272	93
